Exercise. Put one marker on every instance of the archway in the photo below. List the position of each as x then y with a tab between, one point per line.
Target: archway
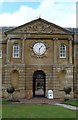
39	83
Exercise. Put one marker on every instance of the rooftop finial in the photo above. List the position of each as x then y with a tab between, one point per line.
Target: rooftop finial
39	16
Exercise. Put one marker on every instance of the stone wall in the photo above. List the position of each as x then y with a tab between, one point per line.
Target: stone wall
18	72
54	82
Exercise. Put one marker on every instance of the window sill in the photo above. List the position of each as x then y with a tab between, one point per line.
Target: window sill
62	57
16	57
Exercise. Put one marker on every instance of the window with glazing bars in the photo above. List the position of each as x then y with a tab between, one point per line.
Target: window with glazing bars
62	51
16	50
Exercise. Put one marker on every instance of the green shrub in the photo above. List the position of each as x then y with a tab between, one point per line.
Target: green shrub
10	89
67	90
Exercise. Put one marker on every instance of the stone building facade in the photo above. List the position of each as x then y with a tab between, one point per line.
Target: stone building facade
36	57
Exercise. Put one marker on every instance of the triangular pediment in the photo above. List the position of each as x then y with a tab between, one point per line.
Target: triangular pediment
39	26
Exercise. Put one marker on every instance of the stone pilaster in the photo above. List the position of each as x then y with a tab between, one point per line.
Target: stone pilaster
70	52
55	83
8	57
55	52
23	42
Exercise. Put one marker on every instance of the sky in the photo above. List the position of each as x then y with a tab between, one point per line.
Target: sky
59	12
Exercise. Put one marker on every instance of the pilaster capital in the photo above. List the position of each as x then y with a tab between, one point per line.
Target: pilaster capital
8	38
23	38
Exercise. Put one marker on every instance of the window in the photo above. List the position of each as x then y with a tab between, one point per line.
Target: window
16	50
62	51
0	53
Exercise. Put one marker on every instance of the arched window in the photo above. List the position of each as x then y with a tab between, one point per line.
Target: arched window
16	51
62	51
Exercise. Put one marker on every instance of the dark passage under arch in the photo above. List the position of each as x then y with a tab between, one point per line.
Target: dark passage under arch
39	84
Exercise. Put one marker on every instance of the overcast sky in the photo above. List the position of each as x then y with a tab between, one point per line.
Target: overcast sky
60	12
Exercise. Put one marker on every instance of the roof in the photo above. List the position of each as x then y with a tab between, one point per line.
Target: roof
3	29
9	29
39	20
73	30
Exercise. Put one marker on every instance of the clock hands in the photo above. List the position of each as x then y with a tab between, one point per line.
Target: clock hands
40	47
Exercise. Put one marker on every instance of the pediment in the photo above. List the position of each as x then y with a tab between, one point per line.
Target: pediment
39	26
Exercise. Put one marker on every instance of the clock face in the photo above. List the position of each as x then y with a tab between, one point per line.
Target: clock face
39	48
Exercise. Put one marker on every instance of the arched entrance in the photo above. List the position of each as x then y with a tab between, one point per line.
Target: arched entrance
39	83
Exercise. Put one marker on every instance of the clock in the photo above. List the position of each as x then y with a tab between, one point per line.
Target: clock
39	48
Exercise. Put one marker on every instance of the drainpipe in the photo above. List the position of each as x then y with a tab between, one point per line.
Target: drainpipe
73	48
25	66
73	60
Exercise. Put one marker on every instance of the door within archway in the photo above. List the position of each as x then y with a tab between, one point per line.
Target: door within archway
39	83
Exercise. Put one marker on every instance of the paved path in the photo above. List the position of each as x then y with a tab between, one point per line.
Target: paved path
43	101
47	101
67	106
39	101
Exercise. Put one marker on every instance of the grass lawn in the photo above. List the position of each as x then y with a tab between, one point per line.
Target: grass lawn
10	110
71	102
36	111
4	101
